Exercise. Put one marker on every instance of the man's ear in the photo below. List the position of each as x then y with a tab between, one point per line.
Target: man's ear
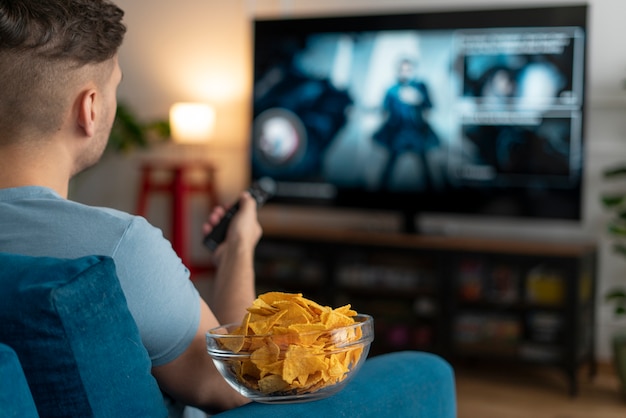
87	112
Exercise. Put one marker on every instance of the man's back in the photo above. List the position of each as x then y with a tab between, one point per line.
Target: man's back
37	221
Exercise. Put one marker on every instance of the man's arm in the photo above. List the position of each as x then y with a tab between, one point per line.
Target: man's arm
233	289
192	378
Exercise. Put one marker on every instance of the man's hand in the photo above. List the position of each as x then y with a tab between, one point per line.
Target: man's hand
243	231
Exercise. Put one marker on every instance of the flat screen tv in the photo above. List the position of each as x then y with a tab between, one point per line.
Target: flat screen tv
475	112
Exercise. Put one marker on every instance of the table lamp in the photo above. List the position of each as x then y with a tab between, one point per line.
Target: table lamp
191	123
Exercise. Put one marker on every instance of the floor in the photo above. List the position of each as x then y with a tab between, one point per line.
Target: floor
523	392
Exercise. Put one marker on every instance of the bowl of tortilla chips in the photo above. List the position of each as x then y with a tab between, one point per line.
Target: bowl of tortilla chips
291	349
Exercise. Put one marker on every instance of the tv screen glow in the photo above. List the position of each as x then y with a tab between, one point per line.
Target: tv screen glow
472	112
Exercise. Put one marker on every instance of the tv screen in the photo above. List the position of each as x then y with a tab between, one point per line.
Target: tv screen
476	112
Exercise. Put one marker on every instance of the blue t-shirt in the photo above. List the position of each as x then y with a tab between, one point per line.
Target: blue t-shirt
163	301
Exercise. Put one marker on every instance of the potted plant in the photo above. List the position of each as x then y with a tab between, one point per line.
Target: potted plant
615	202
129	133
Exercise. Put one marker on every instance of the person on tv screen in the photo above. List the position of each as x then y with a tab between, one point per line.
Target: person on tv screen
406	128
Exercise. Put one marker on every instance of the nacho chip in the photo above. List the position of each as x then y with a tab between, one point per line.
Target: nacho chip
301	362
272	384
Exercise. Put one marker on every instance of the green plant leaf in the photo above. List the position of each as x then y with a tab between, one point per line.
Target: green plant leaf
615	294
616	171
129	133
617	228
161	128
617	297
620	248
610	201
615	202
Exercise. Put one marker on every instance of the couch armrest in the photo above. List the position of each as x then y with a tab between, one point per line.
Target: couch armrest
403	384
15	397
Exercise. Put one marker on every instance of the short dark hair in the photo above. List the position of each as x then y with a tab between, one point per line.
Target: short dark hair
46	48
86	31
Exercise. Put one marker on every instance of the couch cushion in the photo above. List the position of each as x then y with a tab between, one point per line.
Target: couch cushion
80	349
15	398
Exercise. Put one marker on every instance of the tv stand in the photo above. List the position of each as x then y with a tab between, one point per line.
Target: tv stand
408	222
466	298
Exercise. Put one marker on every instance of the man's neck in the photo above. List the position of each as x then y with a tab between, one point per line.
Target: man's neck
20	167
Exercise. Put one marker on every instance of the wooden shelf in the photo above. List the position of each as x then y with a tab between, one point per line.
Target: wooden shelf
429	242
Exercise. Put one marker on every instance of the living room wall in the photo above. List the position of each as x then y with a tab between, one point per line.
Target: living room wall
200	50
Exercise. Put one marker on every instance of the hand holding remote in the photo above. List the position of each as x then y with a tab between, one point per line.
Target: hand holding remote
261	191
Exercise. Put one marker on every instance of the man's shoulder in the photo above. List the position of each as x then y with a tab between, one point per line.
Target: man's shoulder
111	220
81	227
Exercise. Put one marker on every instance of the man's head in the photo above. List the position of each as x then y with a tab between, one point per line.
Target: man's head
51	51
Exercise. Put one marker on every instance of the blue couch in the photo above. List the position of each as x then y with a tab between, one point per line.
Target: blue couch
70	348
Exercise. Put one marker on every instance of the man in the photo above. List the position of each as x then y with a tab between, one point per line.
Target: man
58	78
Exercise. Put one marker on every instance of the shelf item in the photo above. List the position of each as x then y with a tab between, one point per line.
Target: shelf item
503	283
545	286
545	327
470	285
486	330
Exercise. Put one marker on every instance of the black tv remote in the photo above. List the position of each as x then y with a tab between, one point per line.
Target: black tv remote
261	191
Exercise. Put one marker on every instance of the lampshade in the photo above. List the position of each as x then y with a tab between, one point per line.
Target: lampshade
191	122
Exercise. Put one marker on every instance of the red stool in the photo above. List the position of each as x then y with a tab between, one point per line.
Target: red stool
179	180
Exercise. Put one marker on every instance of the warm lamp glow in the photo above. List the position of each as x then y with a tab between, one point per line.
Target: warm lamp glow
191	122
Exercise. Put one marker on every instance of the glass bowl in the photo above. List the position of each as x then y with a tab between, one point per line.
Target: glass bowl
291	367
